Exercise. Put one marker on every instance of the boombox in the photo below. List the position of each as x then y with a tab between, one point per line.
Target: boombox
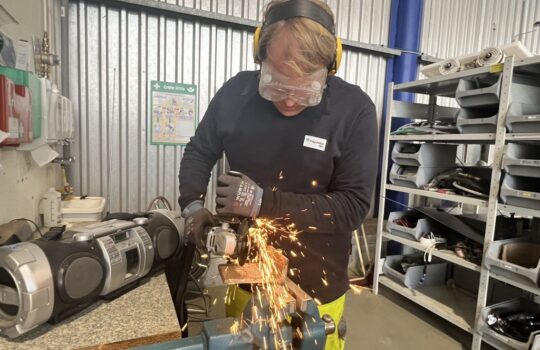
61	273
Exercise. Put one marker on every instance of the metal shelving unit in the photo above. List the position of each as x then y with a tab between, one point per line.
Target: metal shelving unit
452	304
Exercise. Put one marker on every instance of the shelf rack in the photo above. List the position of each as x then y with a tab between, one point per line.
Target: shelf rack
457	307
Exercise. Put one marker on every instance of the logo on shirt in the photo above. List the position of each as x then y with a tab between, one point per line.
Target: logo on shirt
314	142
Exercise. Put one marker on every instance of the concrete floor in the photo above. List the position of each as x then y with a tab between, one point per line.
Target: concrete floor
389	321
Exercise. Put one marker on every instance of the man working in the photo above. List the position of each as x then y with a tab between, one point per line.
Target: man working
302	143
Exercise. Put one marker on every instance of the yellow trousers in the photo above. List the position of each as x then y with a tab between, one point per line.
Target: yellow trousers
238	298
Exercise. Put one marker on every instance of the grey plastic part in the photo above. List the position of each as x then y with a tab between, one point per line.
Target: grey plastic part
521	191
501	341
415	177
177	220
435	272
469	95
522	159
523	90
423	225
519	273
523	118
140	221
428	154
30	271
468	123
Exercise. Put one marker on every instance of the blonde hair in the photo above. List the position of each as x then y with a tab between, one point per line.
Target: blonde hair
312	44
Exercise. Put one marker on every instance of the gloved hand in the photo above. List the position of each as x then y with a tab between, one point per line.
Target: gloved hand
238	195
197	218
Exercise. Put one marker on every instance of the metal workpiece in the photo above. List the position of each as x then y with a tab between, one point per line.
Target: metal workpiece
26	288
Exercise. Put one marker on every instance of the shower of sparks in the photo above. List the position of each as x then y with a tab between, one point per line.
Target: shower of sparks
235	328
358	289
272	290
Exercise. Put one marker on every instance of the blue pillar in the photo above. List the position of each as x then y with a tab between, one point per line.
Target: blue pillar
404	34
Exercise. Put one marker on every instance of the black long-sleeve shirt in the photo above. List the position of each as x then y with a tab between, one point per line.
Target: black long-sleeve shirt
317	170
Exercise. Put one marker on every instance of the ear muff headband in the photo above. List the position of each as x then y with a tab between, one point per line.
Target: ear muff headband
299	8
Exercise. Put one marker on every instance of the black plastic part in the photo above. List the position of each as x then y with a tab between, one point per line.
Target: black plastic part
58	253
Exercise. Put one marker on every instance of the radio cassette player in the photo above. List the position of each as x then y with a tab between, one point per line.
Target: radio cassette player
53	277
128	252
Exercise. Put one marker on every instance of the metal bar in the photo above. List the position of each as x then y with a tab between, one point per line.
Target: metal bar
446	255
64	72
437	195
370	48
382	199
494	191
359	249
457	138
242	23
524	137
518	210
428	59
365	242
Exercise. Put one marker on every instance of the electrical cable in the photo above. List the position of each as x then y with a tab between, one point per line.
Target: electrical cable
161	199
33	222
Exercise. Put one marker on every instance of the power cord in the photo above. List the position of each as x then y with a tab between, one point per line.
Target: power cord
33	222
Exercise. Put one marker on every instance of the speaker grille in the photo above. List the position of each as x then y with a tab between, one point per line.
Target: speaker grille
82	277
167	241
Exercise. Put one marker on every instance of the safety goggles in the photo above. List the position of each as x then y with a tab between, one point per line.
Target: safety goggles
306	91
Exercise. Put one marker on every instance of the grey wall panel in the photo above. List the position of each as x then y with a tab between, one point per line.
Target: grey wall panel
455	27
360	20
531	14
115	53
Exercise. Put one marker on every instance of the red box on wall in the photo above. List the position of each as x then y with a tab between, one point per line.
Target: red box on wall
22	107
9	121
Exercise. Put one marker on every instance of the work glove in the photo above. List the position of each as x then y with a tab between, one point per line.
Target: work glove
238	196
197	219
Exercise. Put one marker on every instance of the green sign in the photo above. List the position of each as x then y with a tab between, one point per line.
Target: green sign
173	112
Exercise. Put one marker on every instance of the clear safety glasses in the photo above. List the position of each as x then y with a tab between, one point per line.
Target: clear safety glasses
306	91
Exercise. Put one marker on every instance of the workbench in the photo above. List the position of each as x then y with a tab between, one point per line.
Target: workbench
143	315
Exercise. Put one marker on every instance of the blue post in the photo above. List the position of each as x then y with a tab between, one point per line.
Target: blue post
404	34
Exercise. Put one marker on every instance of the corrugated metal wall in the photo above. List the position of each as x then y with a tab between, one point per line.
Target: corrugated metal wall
530	16
113	55
455	27
361	20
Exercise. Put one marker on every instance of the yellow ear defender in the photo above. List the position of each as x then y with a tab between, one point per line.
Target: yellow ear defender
299	8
